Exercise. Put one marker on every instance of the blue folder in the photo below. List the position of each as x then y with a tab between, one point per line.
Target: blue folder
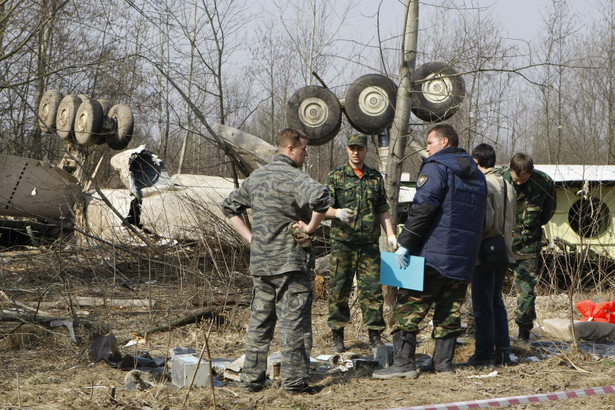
410	277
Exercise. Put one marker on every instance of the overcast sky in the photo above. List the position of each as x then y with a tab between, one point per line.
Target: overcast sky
521	19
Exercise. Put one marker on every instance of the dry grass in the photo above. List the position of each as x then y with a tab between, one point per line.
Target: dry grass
43	369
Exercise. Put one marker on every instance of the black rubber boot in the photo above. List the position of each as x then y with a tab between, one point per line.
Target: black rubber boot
524	334
374	339
338	340
443	354
404	346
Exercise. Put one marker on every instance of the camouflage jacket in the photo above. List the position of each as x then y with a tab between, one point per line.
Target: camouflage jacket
536	203
278	193
365	196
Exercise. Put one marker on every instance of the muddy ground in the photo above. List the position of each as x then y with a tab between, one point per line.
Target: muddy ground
42	368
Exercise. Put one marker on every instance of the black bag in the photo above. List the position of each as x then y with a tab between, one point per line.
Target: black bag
493	253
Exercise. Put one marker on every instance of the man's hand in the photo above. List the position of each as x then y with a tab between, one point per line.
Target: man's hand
301	225
315	221
392	241
402	257
345	215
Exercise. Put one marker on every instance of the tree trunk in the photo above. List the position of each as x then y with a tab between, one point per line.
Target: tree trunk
399	130
48	14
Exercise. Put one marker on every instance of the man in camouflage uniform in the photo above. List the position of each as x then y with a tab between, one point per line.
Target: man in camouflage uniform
354	242
445	226
536	203
279	194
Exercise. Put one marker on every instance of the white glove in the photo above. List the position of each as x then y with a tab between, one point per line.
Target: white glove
402	257
392	241
345	215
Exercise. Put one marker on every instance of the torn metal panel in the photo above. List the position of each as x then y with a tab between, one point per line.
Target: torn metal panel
254	152
178	210
139	168
185	207
101	220
175	207
36	189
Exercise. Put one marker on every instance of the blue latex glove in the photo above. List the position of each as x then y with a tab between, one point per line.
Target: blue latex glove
402	257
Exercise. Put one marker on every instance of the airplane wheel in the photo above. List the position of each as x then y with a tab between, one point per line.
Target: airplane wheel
437	91
65	117
317	112
122	114
370	103
47	110
88	123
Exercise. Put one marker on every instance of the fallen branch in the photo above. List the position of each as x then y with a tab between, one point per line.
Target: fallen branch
34	310
212	311
25	317
133	304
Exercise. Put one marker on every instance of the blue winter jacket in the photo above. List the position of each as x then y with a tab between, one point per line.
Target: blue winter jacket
445	224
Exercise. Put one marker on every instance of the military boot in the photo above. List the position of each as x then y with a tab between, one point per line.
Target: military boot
404	346
524	334
374	339
443	354
338	340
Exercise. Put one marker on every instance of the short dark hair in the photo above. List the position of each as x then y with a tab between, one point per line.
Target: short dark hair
485	155
521	163
446	130
290	136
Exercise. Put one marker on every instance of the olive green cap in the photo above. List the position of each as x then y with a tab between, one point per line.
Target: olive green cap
357	139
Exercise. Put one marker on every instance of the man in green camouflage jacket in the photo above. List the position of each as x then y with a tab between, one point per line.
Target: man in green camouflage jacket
536	203
359	191
279	194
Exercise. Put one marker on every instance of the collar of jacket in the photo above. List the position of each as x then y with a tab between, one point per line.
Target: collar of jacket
284	158
492	170
350	172
444	151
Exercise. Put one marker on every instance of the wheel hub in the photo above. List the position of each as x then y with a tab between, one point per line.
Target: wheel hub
373	101
437	88
62	119
82	122
313	112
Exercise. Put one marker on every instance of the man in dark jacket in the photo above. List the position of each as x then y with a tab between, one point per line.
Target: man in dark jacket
445	227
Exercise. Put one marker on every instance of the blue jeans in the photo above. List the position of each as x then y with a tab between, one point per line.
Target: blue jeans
490	316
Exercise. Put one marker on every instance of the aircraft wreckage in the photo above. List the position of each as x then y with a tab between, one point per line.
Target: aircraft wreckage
173	207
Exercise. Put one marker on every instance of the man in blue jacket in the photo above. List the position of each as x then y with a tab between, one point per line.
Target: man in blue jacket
445	226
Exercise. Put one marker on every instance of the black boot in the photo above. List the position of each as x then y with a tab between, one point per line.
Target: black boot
524	334
374	339
338	340
479	360
404	346
502	359
443	354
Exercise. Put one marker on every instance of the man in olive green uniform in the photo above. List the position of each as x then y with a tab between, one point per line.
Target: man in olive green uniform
281	197
354	242
536	203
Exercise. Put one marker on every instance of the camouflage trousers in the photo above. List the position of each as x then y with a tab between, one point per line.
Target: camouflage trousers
526	276
348	260
412	306
287	297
